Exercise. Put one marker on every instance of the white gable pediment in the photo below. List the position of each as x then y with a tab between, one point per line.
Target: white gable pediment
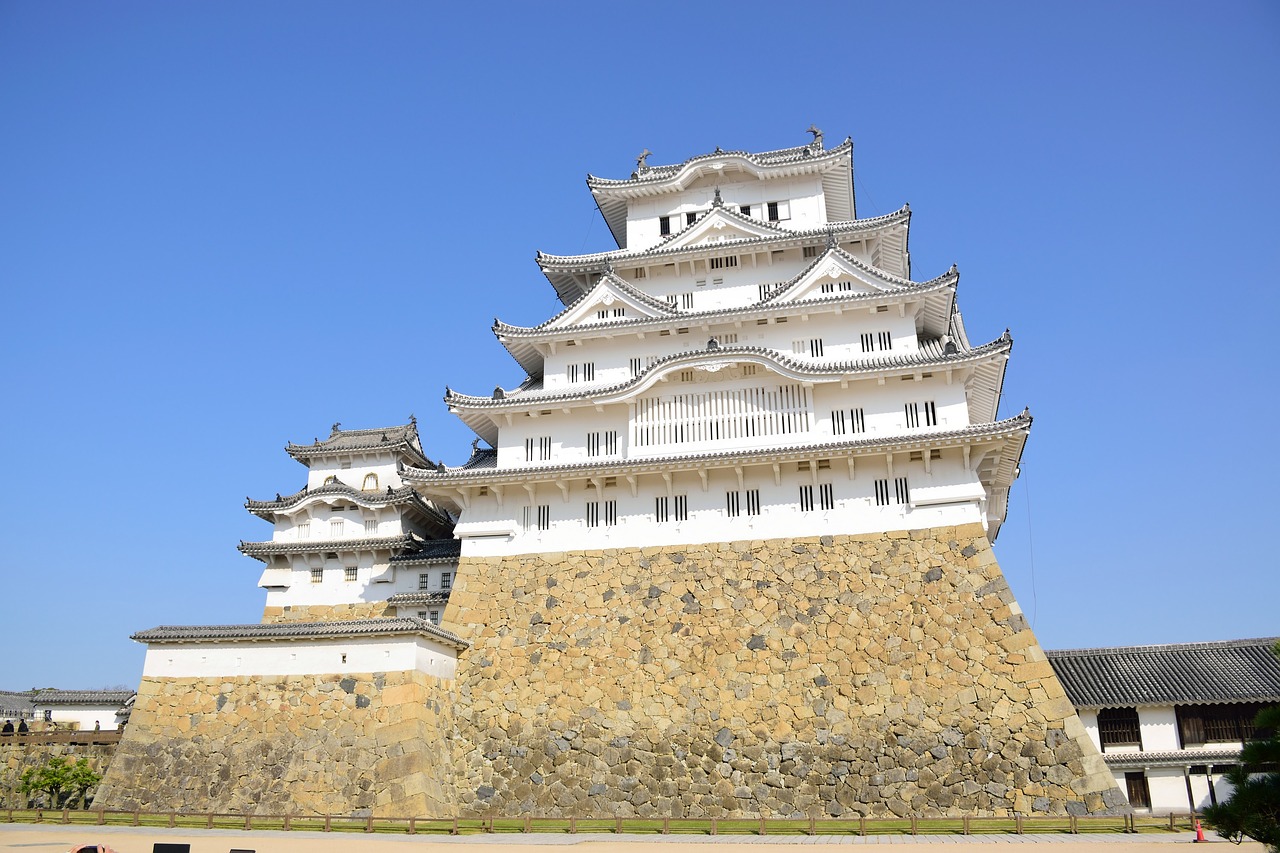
718	226
834	274
611	295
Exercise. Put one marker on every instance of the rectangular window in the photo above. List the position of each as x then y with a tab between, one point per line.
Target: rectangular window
744	209
602	443
812	347
585	372
682	507
349	573
422	614
371	526
826	496
1119	727
882	492
335	528
872	341
733	504
661	510
772	208
621	312
811	252
845	421
694	416
806	498
724	263
914	410
753	501
673	301
433	617
602	314
686	301
763	293
537	449
690	218
424	580
901	493
727	338
837	286
317	575
304	530
635	367
537	516
641	272
664	225
446	580
595	514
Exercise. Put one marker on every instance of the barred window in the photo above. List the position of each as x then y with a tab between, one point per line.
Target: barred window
317	575
733	504
446	581
602	443
682	507
826	496
753	501
1119	727
424	580
845	421
914	411
537	516
664	225
661	510
537	449
806	498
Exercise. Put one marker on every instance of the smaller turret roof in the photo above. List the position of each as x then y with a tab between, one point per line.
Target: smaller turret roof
402	439
260	550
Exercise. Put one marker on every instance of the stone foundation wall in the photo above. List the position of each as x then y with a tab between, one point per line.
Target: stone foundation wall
16	755
327	612
328	744
841	675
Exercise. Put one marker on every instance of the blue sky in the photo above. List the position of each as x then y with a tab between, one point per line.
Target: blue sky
224	226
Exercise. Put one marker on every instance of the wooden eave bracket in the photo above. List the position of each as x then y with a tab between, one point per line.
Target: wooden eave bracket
564	489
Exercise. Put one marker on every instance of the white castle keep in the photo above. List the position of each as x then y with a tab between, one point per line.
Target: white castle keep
724	551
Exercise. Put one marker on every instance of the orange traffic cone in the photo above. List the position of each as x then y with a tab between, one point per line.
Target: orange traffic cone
1199	831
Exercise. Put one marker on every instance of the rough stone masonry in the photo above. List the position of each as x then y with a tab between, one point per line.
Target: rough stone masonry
842	675
886	674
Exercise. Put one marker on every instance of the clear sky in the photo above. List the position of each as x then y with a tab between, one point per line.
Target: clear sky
224	226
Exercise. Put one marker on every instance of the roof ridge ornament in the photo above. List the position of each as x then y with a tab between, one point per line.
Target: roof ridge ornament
817	137
831	239
717	201
336	428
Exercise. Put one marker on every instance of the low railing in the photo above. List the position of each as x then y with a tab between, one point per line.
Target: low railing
1017	824
76	737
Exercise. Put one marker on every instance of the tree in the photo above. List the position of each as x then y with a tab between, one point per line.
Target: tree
60	781
1254	807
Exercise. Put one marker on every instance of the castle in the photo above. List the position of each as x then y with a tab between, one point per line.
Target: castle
725	551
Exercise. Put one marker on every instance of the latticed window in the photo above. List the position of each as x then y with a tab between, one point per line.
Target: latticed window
370	483
1119	727
1201	724
349	573
721	415
317	575
424	580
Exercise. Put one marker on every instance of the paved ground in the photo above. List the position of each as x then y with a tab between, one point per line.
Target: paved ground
57	839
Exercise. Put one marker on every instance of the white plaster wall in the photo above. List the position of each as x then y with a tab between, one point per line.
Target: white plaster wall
352	470
1089	719
490	528
1159	728
804	194
300	657
840	335
86	716
1168	789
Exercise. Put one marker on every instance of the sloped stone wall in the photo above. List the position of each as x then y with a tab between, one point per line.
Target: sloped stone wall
843	675
330	744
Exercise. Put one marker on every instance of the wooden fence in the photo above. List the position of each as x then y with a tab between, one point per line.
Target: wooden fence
1017	824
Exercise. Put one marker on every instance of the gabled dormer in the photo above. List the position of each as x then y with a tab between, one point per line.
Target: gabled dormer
718	225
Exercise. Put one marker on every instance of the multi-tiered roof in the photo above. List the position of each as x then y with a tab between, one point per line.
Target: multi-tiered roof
851	268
